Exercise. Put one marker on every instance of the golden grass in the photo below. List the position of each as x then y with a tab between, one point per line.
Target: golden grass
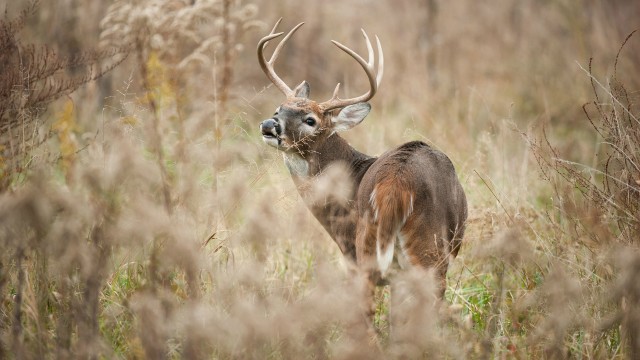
160	226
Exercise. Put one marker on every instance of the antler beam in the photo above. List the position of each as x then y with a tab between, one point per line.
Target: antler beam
374	77
267	66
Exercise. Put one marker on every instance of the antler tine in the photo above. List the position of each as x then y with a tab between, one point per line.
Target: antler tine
267	66
276	52
375	77
380	62
275	26
335	92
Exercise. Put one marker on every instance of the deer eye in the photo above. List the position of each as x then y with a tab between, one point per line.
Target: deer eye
310	121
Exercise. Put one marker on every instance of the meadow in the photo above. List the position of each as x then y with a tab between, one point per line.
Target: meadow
142	216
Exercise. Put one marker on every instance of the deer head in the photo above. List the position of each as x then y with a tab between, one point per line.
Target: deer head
300	123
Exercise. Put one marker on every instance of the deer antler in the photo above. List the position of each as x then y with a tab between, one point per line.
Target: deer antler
267	66
374	80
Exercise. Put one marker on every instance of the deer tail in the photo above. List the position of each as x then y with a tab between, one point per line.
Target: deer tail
392	203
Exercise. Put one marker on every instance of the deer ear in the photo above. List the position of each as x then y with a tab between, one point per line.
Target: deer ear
302	90
350	116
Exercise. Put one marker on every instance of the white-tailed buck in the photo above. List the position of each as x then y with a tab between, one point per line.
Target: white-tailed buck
406	208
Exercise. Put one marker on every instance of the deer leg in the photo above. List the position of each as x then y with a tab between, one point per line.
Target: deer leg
374	332
366	260
370	299
427	248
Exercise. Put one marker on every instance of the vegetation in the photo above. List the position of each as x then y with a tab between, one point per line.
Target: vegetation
141	216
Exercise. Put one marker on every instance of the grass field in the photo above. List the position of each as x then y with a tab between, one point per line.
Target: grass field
142	216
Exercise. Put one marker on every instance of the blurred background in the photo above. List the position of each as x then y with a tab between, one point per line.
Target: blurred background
137	192
508	58
461	67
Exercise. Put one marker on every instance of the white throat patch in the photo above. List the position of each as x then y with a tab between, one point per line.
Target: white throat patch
297	165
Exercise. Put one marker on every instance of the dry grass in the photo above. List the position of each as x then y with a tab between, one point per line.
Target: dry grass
153	222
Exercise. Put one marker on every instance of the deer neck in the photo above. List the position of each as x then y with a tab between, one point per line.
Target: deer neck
338	217
333	150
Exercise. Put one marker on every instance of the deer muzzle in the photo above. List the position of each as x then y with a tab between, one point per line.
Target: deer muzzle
271	131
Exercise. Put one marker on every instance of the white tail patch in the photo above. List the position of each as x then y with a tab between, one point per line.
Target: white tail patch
409	210
385	257
372	201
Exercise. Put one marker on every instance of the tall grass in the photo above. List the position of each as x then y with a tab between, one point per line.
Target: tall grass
160	226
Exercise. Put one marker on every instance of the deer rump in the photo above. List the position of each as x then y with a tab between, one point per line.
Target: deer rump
411	210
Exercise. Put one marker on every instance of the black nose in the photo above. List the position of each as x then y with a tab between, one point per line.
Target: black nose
270	127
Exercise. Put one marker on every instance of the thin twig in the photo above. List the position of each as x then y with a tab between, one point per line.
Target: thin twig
608	93
495	196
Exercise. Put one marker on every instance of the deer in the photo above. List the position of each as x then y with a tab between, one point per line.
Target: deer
406	208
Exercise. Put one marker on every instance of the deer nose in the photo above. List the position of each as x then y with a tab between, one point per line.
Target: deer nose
270	127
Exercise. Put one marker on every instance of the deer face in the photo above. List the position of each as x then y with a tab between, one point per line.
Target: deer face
296	123
300	124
